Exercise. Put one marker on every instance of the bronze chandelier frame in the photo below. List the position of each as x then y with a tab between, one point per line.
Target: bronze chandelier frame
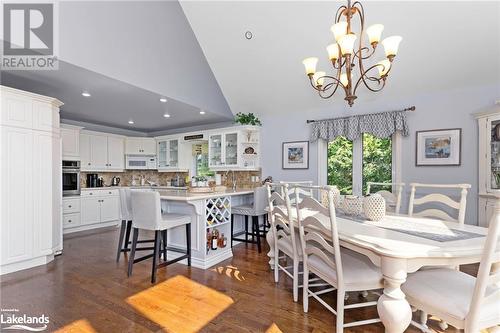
349	61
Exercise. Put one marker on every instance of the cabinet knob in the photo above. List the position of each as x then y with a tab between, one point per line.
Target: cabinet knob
91	193
88	163
70	221
109	192
69	206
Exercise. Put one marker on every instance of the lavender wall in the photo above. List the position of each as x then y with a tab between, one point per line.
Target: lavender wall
444	109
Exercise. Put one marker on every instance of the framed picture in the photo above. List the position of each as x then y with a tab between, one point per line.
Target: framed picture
439	147
295	155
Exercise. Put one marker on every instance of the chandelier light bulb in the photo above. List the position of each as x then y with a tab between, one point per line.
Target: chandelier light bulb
347	44
339	30
319	79
333	51
344	80
310	65
383	67
391	45
374	33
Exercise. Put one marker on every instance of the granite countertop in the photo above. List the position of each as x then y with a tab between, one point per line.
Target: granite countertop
184	195
133	187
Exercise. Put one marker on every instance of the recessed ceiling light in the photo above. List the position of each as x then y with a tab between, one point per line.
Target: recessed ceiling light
163	100
166	115
202	112
131	122
85	93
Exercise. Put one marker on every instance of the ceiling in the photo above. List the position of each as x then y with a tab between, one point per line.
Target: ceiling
112	102
446	45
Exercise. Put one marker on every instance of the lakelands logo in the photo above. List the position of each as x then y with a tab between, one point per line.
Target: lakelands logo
29	39
10	319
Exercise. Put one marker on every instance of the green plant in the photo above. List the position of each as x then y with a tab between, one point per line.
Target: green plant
247	119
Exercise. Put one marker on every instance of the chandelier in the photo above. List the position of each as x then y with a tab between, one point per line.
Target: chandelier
345	57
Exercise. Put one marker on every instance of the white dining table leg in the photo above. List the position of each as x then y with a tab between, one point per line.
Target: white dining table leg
393	308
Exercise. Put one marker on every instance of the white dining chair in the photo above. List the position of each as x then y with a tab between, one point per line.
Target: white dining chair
342	269
439	198
468	303
392	197
303	192
286	237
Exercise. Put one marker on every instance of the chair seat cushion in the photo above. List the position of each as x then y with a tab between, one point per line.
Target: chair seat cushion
285	245
246	210
172	220
359	272
450	292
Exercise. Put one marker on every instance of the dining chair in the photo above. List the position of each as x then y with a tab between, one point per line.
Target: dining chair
303	192
392	197
468	303
344	270
439	198
286	238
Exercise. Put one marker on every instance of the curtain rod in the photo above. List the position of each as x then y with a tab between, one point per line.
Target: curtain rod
411	108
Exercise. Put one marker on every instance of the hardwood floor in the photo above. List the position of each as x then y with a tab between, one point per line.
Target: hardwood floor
85	290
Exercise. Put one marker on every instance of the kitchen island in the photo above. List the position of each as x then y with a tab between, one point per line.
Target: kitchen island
209	212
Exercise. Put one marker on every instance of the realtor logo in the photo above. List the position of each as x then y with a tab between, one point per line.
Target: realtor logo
29	36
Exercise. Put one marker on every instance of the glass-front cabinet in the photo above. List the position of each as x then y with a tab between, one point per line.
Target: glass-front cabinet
493	129
223	150
168	154
231	149
215	150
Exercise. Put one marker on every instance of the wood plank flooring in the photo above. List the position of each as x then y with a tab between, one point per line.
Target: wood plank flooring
86	291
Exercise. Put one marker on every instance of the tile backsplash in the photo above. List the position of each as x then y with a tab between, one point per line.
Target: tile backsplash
243	178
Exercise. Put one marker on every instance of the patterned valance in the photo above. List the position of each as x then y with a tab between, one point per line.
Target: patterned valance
381	125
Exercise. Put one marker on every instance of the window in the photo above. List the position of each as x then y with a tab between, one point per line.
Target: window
351	164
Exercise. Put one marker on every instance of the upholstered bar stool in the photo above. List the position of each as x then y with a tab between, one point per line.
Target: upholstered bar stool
258	208
146	210
126	226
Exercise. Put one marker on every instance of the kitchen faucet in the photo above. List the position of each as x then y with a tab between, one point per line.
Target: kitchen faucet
233	179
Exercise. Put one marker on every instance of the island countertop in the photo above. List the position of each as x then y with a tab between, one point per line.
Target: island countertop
184	195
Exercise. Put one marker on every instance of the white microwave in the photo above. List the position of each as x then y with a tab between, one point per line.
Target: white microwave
140	162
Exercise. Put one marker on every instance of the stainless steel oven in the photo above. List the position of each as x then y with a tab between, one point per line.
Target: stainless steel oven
71	178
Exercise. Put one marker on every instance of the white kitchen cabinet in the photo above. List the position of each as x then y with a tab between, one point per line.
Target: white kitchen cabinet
70	136
99	208
91	210
170	152
101	152
110	207
30	178
234	149
140	146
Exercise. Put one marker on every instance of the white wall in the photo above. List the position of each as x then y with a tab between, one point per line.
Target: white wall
443	109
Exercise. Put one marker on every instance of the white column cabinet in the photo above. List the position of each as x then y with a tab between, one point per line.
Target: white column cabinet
30	180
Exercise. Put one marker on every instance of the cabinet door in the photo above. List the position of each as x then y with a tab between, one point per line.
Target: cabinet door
46	204
215	150
231	149
110	209
16	227
90	210
70	143
162	154
16	111
133	146
86	163
99	152
45	117
173	153
148	146
116	156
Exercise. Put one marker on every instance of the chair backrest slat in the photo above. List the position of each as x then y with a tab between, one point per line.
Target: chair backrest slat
460	205
280	213
303	192
486	276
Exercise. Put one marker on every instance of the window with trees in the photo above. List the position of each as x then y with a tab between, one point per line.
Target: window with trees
351	164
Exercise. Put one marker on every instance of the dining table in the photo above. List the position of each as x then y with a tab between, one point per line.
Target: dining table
401	245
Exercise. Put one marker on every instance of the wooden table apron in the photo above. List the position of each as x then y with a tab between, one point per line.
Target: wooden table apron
396	261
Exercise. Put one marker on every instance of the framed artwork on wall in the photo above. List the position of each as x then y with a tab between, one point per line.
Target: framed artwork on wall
295	155
441	147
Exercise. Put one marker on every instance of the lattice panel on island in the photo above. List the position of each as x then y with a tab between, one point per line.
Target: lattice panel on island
217	211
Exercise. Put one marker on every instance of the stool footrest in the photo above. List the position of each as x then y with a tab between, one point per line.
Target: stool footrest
144	258
166	263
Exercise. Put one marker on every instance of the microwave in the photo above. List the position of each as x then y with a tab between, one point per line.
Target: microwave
140	162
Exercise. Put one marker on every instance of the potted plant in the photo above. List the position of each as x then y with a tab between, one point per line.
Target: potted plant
247	119
200	181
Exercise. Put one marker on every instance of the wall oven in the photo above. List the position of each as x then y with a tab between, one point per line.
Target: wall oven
71	178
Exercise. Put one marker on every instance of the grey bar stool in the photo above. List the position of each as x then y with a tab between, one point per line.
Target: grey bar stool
146	210
126	226
258	208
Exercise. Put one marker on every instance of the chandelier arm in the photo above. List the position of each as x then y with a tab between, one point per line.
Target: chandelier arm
338	14
364	78
335	82
360	51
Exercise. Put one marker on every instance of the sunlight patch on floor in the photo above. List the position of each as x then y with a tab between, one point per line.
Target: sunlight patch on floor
230	271
180	304
273	329
79	326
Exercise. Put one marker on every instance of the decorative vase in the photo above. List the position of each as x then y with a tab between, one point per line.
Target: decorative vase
374	207
336	198
352	205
